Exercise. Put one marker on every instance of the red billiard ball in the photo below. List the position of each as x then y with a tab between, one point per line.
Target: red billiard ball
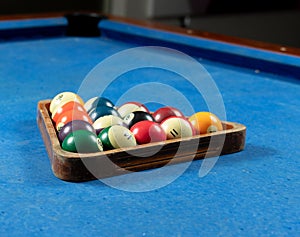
148	131
165	112
71	115
72	105
130	107
177	127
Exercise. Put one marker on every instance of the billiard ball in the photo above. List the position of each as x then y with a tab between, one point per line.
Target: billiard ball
137	116
106	121
116	136
88	105
130	107
205	122
165	112
148	131
63	98
71	115
72	105
82	141
101	111
73	126
97	101
177	127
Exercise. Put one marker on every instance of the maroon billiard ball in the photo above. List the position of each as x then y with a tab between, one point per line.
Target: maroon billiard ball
165	112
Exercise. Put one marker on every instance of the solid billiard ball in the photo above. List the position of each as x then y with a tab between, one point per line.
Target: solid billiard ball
177	127
148	131
73	126
130	107
63	98
205	122
97	101
165	112
82	141
101	111
116	136
71	115
106	121
137	116
72	105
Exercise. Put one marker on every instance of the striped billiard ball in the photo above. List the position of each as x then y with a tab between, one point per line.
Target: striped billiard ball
116	136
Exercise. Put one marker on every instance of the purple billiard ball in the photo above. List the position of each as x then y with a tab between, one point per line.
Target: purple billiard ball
74	126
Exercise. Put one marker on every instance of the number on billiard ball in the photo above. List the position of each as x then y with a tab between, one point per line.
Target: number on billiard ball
137	116
205	122
177	127
63	98
82	141
116	136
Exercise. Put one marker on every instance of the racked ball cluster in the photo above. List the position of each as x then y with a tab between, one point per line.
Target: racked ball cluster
98	125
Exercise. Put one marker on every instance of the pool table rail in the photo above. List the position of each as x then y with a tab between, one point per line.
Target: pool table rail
254	55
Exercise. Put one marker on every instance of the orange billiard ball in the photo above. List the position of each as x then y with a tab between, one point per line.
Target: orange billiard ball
72	105
71	115
205	122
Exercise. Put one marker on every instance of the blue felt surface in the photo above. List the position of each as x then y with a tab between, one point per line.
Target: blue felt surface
251	193
30	23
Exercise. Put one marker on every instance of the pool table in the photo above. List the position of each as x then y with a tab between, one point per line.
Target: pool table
253	192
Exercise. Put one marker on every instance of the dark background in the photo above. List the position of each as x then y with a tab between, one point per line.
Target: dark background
35	6
214	6
263	20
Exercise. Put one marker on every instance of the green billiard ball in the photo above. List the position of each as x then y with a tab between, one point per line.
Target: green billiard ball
82	141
